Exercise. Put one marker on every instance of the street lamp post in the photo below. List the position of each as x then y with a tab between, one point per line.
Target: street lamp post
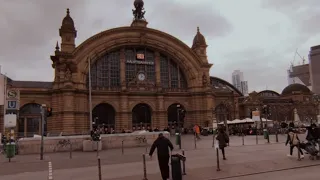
96	121
178	120
43	116
145	115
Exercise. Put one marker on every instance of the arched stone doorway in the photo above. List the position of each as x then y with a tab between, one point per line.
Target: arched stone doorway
222	115
29	122
141	117
104	115
176	114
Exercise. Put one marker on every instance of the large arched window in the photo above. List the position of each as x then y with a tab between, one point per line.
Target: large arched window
105	72
171	74
29	122
145	64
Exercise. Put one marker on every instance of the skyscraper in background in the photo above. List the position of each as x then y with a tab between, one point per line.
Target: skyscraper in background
244	87
314	67
239	83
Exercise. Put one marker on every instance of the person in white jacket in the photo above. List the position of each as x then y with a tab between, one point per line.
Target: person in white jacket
294	141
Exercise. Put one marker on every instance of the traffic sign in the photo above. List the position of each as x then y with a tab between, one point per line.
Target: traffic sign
12	105
13	94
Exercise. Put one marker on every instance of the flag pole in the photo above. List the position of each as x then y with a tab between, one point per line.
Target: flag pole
4	99
90	94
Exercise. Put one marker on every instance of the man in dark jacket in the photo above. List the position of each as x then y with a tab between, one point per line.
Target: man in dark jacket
162	144
223	139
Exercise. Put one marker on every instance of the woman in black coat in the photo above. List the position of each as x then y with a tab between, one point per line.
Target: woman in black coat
223	139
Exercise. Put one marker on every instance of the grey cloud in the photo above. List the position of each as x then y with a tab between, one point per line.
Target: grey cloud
29	29
181	20
177	18
258	66
304	14
291	5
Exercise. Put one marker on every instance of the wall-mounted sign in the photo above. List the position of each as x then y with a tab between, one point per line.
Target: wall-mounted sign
12	105
256	115
13	94
10	120
140	62
140	56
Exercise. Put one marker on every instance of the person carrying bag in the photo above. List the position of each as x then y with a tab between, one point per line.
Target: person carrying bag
294	141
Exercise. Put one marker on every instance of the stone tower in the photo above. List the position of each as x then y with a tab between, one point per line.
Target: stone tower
68	34
199	46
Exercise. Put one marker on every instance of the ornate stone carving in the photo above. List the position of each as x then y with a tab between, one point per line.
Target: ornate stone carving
68	74
138	12
204	80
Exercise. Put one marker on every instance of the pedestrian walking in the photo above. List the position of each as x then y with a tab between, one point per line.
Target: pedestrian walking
223	139
196	130
294	141
162	144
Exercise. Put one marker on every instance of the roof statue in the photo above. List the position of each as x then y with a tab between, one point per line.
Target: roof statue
138	12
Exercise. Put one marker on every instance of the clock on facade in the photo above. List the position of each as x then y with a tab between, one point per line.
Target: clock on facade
141	76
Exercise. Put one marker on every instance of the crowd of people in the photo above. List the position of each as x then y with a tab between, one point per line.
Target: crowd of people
164	148
312	144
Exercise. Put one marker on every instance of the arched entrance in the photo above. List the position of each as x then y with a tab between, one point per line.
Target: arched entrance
29	122
141	117
176	114
104	115
222	115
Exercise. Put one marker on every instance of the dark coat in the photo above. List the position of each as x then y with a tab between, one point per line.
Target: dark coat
162	144
223	139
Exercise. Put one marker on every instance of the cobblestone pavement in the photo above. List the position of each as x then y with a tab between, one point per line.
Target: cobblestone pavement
201	162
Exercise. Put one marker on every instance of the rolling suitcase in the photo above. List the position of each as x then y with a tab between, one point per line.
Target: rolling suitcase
176	171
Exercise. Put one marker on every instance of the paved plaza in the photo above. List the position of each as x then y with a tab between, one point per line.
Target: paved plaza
250	161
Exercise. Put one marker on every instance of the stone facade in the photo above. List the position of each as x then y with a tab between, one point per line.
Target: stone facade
295	102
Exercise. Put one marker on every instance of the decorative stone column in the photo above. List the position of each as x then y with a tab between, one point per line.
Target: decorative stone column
160	117
207	115
68	113
123	69
157	68
122	119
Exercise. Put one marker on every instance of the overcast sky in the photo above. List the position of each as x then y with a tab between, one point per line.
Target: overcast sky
258	37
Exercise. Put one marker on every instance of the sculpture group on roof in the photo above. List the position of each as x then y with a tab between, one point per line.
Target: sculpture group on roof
138	12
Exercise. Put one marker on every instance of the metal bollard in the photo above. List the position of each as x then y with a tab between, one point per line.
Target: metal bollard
242	139
256	137
99	168
97	148
144	167
299	155
213	140
183	165
195	141
218	161
277	139
70	151
122	149
268	138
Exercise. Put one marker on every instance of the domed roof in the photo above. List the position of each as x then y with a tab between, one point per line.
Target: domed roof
199	40
67	22
295	88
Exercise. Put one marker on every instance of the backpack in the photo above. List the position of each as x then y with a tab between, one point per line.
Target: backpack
226	138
